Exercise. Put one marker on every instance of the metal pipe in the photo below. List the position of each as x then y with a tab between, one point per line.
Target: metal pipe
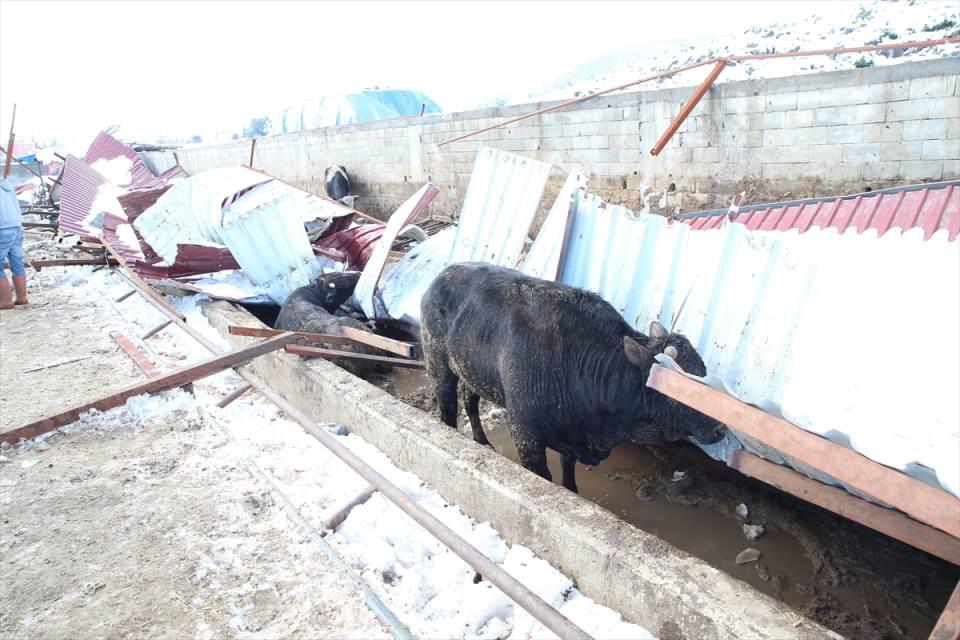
513	588
157	329
337	517
688	107
6	166
233	395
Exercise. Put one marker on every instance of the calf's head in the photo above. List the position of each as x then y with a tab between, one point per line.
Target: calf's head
672	419
335	288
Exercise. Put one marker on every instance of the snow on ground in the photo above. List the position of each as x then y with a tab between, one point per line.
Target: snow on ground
830	25
430	589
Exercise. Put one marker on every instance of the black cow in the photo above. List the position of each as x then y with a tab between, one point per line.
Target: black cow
310	309
569	370
336	182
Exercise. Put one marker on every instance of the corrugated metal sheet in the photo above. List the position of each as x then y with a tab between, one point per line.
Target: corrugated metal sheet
264	232
543	259
106	147
84	198
845	335
365	291
500	203
190	211
501	200
931	207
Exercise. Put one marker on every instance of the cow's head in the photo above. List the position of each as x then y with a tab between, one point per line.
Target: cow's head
675	420
335	288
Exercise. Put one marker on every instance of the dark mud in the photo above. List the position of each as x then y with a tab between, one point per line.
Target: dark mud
847	577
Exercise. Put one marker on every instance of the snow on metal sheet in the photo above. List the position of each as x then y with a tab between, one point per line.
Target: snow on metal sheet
499	205
117	160
543	259
416	204
264	232
190	211
85	198
931	207
845	335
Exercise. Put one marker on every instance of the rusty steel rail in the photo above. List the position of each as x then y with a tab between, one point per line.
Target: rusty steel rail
715	60
497	576
690	105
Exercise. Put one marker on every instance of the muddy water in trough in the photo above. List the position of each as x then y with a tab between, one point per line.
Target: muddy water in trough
847	577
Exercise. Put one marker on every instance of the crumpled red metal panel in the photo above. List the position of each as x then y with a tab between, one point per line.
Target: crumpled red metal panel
80	185
356	244
106	147
930	207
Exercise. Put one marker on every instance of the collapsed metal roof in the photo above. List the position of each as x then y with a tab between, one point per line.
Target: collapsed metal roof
931	207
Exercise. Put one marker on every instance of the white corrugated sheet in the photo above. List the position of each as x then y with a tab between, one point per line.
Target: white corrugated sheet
848	336
543	259
190	211
264	232
500	203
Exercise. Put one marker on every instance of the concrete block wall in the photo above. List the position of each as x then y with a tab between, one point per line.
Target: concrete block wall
803	136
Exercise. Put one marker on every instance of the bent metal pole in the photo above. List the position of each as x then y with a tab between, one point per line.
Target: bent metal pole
513	588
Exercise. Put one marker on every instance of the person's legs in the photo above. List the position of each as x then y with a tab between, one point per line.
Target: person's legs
15	257
9	238
6	299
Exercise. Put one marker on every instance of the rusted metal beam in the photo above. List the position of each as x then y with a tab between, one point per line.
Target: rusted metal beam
351	336
948	626
315	352
688	107
40	225
919	44
253	148
170	380
139	357
157	329
919	500
234	395
886	521
141	284
74	262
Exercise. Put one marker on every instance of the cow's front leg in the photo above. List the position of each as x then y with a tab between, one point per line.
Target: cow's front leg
569	466
532	452
471	403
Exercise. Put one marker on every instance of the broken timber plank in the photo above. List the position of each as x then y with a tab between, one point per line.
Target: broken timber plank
82	262
170	380
948	626
351	336
139	357
921	501
886	521
314	352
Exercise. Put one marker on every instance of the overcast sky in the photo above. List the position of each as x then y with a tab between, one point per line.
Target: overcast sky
180	68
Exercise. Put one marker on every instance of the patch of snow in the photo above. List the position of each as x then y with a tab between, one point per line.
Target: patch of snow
116	170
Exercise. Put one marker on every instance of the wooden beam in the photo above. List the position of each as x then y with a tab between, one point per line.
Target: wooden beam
142	285
170	380
314	352
886	521
948	626
921	501
139	357
688	107
404	349
73	262
351	336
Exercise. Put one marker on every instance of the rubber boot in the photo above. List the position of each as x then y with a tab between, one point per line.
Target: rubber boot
20	286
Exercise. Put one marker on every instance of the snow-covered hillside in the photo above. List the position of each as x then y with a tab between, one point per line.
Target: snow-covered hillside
830	25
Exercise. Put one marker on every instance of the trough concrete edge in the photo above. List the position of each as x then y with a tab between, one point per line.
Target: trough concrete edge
651	583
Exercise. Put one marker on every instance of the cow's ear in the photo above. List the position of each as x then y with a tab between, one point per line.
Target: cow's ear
636	353
657	330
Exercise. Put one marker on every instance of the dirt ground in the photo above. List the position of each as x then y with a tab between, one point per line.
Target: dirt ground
845	576
138	526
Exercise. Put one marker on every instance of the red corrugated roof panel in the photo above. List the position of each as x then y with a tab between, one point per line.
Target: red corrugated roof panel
106	147
931	207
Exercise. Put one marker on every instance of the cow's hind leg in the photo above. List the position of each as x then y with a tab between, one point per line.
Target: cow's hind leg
445	382
569	466
471	403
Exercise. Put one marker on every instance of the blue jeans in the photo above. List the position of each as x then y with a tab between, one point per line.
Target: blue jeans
11	249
